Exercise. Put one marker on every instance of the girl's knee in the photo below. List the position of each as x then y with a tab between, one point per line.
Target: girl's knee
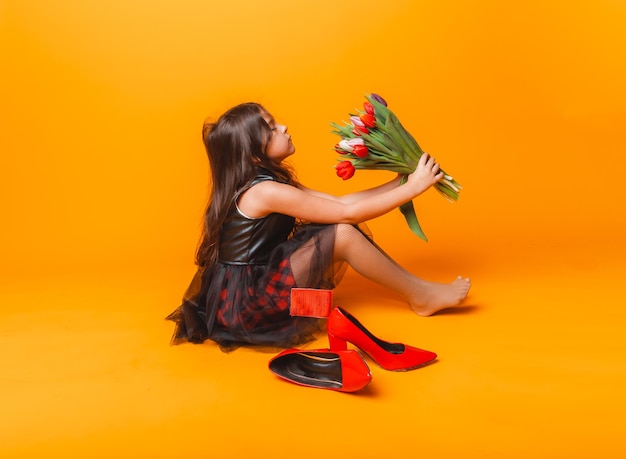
345	227
346	232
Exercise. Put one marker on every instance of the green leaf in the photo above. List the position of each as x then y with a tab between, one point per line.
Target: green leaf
368	138
408	211
343	131
406	140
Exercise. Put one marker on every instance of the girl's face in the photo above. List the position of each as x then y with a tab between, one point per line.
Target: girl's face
279	145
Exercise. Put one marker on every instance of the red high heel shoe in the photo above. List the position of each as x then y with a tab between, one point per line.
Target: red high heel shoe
343	327
343	371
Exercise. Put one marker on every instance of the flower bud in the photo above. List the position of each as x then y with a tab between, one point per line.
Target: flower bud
356	121
379	99
360	151
345	170
368	120
340	150
352	142
359	130
343	144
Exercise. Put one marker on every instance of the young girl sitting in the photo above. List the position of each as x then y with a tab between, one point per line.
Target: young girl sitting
266	233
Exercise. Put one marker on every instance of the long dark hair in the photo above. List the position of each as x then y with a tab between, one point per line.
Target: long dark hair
235	145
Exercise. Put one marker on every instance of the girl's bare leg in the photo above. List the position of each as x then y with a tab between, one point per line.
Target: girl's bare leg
424	297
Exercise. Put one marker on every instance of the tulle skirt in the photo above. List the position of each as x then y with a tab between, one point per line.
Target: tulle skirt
248	305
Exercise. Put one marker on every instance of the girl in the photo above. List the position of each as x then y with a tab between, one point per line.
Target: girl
259	240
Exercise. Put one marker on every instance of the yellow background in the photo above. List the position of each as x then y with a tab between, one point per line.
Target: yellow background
104	181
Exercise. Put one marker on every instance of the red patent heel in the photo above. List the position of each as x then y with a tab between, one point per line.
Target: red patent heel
343	328
337	344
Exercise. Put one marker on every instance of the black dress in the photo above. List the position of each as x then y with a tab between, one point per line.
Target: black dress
244	298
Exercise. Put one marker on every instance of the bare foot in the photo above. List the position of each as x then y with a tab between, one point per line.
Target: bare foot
432	297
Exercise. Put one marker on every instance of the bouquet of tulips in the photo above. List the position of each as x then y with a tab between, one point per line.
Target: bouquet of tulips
375	139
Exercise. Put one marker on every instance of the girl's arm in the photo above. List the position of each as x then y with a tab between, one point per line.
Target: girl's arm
354	197
268	197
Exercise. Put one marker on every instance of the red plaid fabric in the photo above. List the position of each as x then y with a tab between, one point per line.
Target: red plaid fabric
268	305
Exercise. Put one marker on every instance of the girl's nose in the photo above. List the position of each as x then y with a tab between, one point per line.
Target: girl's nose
282	128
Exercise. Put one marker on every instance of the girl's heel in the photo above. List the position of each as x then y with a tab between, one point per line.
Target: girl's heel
337	344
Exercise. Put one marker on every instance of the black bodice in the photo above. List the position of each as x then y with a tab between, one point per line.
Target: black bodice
245	240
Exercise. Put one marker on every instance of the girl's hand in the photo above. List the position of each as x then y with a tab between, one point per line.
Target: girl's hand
426	174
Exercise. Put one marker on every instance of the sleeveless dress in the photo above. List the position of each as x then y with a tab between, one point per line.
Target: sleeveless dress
244	298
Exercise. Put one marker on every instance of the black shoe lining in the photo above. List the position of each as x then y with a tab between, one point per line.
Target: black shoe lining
310	368
392	348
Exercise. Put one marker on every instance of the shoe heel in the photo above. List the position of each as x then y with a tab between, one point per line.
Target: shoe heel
337	344
390	356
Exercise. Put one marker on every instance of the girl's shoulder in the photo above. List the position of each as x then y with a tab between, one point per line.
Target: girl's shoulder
263	175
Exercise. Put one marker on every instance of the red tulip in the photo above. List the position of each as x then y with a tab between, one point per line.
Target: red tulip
360	151
340	150
369	108
358	130
345	170
368	120
358	125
